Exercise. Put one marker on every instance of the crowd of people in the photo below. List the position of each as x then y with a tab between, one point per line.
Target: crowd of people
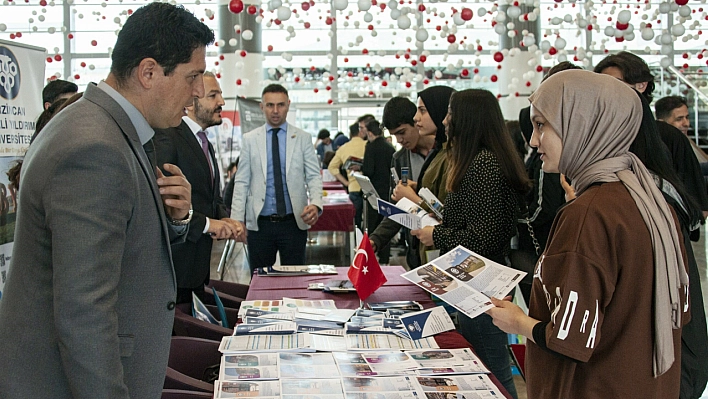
122	199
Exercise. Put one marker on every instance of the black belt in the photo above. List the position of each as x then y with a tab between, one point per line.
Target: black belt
277	218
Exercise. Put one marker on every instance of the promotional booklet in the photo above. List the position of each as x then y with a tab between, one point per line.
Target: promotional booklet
406	213
466	280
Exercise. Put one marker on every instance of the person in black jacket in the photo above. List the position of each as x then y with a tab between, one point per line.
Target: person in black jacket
377	162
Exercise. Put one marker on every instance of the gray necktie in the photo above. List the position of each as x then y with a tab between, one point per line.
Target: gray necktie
277	174
205	148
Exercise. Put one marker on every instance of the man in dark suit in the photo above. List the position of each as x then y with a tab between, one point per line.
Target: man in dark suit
88	305
187	146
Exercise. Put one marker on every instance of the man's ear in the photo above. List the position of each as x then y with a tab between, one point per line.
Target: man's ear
147	71
641	87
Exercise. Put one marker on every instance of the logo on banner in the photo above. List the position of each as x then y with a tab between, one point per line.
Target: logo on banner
9	74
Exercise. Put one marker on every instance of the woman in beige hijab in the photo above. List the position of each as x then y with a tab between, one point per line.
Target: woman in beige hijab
608	299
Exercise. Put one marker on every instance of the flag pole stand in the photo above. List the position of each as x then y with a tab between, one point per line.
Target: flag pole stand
363	304
365	215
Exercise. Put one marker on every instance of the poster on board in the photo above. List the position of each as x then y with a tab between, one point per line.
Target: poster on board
21	84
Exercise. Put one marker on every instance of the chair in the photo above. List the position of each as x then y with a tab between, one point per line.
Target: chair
234	289
185	325
188	361
182	394
229	301
518	354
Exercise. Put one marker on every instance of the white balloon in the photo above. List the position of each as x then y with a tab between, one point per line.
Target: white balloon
500	17
609	31
556	21
684	11
500	29
666	62
284	13
678	30
560	43
624	16
457	19
421	35
482	11
647	34
529	41
629	36
3	27
665	39
274	4
364	5
340	4
395	13
674	7
545	45
666	49
233	42
247	35
568	18
664	8
513	12
404	22
393	4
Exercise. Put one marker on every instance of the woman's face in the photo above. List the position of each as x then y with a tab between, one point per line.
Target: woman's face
546	140
446	122
423	121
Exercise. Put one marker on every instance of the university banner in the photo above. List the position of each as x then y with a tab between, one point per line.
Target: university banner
21	84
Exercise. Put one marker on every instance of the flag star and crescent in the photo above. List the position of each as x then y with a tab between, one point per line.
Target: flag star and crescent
365	272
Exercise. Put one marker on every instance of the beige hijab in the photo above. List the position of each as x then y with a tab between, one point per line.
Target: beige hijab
597	117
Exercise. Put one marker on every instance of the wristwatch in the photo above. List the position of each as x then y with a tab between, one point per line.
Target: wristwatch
182	222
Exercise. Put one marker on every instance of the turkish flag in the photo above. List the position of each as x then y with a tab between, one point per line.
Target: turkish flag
365	272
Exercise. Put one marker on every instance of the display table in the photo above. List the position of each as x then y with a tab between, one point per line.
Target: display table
396	289
337	213
332	185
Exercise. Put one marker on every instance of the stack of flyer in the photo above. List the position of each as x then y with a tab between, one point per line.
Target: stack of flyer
425	373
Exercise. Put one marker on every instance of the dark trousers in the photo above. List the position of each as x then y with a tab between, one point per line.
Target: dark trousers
358	200
273	237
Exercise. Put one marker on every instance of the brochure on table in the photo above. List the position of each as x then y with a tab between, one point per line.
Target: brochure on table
406	213
427	322
466	280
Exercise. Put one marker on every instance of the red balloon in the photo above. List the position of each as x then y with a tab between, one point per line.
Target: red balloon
252	10
466	14
235	6
498	56
422	58
465	72
682	2
305	6
493	78
451	39
552	51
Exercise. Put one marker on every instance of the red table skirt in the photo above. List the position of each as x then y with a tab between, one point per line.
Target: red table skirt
335	216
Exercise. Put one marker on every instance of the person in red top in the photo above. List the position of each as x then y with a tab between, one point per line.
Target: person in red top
608	301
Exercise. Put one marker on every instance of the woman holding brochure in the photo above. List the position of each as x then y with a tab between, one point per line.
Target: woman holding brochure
485	179
608	300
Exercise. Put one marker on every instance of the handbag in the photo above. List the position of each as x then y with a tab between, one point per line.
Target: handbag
524	259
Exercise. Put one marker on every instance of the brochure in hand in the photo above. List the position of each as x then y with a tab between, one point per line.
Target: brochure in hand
406	213
466	280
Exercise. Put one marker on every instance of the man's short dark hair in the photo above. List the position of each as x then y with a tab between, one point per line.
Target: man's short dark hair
274	88
168	34
374	127
666	105
634	70
398	111
365	118
56	88
354	129
323	134
560	67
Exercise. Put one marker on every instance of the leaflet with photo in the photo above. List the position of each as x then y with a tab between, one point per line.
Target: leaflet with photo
317	306
266	329
251	389
249	360
239	373
406	213
296	270
374	364
383	385
338	286
465	280
407	305
459	383
265	343
432	201
311	387
307	365
365	342
431	358
427	322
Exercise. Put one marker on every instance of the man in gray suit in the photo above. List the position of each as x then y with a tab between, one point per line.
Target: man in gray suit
277	168
88	306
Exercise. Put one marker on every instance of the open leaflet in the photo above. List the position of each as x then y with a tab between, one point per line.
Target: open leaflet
406	213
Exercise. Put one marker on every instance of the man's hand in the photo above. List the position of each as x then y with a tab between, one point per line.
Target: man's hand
425	235
238	228
310	214
176	192
221	229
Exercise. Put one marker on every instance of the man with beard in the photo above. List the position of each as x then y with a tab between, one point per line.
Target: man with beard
187	146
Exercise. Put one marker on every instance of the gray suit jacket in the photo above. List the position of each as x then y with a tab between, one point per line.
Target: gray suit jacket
88	305
302	175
